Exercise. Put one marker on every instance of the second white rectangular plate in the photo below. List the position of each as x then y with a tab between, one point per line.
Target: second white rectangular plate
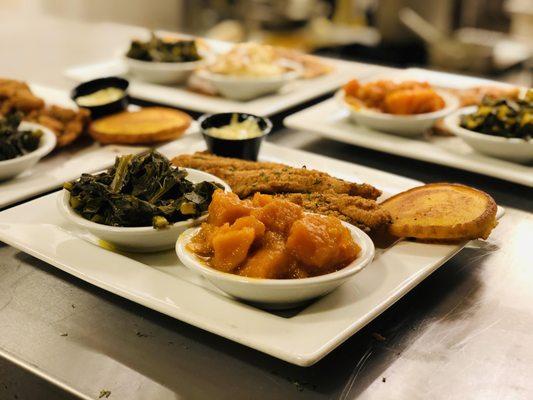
159	281
63	164
295	93
331	120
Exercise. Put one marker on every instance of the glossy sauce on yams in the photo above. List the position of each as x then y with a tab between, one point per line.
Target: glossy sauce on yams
271	238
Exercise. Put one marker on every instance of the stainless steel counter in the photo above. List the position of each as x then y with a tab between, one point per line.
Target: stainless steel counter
465	332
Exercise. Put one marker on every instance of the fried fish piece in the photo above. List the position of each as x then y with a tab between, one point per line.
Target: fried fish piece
442	211
67	124
17	96
209	162
364	213
249	177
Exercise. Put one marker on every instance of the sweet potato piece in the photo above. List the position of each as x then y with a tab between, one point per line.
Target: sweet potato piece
227	207
250	222
260	199
321	243
352	88
413	101
202	242
231	248
269	262
278	215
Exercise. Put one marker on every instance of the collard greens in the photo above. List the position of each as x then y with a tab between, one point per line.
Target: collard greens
140	190
14	142
510	118
159	50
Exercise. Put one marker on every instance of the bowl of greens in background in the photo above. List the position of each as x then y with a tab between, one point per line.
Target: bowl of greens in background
22	145
501	128
141	204
163	60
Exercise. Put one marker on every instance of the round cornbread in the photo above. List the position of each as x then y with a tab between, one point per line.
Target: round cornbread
148	125
445	211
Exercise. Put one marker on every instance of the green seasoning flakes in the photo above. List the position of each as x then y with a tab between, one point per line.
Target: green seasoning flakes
14	142
506	117
141	190
163	50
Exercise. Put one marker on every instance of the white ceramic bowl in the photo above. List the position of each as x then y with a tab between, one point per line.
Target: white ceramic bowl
243	88
15	166
510	149
136	239
277	293
403	125
162	72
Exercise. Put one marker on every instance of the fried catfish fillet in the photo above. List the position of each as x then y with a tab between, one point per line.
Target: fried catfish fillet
364	213
249	177
67	124
442	211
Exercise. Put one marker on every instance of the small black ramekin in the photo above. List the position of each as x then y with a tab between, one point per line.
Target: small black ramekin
246	149
102	83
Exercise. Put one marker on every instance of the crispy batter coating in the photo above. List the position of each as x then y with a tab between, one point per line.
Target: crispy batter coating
249	177
313	190
363	213
67	124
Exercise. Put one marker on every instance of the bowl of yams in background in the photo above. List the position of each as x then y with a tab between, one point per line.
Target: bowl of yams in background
405	108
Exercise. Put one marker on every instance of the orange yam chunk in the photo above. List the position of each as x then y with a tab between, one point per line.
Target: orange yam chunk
226	208
352	88
202	242
322	243
413	101
271	261
250	222
278	215
260	199
231	248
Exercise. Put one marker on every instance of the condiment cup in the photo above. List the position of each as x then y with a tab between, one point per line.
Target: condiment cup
276	293
510	149
136	239
246	149
162	72
402	125
244	88
95	85
17	165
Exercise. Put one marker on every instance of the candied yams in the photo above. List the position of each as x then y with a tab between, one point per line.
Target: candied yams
405	98
271	238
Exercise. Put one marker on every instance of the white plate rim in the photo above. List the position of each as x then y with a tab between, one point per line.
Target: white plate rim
306	120
300	357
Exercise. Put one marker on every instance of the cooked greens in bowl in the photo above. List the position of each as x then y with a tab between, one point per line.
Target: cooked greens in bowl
504	117
16	142
164	50
138	191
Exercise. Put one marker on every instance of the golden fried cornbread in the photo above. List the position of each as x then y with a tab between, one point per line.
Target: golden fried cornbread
441	211
148	125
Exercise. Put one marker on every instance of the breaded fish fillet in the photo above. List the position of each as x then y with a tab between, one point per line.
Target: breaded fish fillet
248	177
363	213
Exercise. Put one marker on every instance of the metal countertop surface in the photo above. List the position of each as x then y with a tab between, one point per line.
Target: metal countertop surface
465	332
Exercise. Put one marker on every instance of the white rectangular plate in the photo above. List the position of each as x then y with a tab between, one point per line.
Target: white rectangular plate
64	164
291	95
331	120
159	281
